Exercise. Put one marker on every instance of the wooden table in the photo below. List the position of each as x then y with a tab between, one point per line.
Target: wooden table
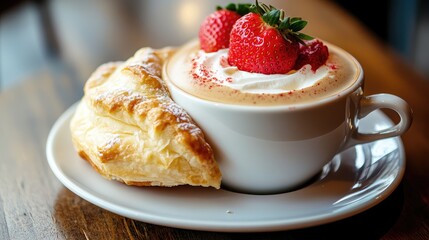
35	205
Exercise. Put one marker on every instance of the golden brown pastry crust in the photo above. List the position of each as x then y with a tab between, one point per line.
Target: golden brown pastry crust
130	130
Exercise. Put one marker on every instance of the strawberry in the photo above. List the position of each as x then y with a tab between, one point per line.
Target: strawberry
215	29
265	41
314	53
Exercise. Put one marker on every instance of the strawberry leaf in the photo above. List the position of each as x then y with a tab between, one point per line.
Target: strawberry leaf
265	7
285	23
304	36
256	8
272	17
288	26
295	19
231	7
298	25
241	8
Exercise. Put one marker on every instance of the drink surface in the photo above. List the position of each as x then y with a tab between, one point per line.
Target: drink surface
209	76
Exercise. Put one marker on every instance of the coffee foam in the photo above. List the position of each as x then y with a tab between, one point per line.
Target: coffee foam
342	72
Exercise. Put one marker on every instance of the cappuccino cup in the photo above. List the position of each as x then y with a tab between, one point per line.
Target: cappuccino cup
267	143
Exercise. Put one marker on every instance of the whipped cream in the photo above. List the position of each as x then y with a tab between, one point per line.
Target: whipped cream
214	67
209	76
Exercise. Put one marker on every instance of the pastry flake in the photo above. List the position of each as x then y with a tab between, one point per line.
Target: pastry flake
130	130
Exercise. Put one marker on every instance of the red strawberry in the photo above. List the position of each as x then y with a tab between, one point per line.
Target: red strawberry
215	29
314	53
264	41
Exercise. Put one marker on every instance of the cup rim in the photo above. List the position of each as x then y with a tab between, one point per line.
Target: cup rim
273	108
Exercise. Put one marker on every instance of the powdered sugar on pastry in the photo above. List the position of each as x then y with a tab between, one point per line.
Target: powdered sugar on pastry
130	130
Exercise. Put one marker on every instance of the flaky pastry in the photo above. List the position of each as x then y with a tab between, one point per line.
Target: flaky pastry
130	130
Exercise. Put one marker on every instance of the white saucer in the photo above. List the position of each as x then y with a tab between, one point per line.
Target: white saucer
356	180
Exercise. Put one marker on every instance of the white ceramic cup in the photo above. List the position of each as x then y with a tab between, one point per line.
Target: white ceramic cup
272	149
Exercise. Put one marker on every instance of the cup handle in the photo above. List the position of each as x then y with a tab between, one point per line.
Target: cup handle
368	104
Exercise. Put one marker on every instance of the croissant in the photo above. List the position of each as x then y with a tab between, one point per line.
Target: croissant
130	130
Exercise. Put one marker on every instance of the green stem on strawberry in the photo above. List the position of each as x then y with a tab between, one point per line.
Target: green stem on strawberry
240	8
289	27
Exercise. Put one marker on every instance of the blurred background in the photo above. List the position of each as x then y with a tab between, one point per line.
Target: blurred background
82	34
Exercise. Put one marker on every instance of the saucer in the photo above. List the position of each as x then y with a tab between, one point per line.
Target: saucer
354	181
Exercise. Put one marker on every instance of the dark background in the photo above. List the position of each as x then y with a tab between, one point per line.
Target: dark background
403	25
